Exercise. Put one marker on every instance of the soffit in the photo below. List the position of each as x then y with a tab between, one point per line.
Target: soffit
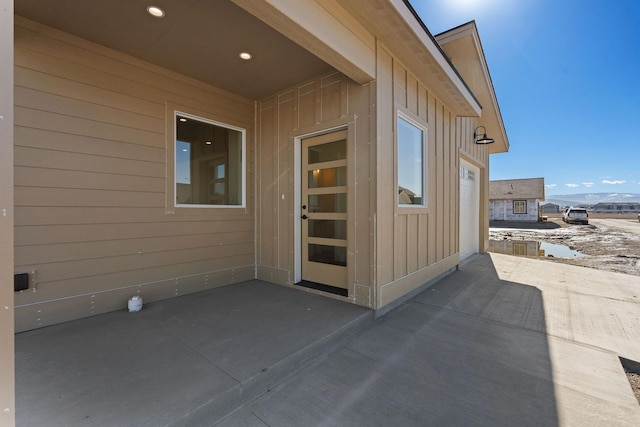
396	26
198	38
462	46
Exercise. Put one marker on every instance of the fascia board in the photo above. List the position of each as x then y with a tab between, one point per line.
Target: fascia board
324	29
431	45
492	116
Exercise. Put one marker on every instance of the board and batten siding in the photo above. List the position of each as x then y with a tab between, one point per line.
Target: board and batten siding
93	225
425	241
331	101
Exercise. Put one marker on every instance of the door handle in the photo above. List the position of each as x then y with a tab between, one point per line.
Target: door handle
304	217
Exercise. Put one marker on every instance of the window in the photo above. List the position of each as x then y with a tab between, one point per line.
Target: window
519	206
411	163
209	163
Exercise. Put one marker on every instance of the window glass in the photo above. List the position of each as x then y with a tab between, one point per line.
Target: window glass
520	207
209	163
410	167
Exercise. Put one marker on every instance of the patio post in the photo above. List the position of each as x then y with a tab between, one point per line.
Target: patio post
7	358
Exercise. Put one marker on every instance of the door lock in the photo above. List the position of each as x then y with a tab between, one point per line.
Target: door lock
304	217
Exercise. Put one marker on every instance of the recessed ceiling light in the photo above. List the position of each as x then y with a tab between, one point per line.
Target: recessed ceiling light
182	119
155	11
208	142
245	55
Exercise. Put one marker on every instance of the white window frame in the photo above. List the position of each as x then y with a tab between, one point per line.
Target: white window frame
519	202
425	165
243	171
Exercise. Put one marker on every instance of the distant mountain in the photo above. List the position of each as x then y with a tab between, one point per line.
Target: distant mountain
591	198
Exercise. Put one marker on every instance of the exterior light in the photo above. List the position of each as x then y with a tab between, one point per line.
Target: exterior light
480	136
155	11
245	55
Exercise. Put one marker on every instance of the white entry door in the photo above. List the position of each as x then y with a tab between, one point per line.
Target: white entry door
324	209
469	209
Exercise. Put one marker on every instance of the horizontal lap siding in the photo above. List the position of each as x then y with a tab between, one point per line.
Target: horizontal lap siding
90	177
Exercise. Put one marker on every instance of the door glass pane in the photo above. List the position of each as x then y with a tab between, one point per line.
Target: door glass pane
334	255
328	203
328	228
328	152
331	177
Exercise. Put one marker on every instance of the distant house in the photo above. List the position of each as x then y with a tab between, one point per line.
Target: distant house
550	208
515	199
616	208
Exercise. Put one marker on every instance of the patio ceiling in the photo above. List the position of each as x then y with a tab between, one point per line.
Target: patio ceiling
198	38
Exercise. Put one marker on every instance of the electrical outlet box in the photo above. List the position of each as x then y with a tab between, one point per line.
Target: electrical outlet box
20	282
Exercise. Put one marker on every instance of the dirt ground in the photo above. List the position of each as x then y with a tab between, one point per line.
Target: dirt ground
634	380
611	244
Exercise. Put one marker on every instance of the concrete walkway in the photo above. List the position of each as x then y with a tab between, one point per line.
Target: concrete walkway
504	341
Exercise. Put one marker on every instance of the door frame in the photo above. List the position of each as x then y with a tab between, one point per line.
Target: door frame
297	199
477	214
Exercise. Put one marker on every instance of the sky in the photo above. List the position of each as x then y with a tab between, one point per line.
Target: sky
567	78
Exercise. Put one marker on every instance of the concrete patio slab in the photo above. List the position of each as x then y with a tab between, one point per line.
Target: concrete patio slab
185	361
475	349
503	341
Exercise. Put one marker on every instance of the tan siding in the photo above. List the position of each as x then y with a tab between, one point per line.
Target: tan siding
90	179
52	142
78	268
360	101
44	196
286	120
32	235
333	97
81	61
265	167
326	102
60	178
447	183
69	160
422	238
432	171
65	215
82	250
439	182
455	186
386	191
60	310
400	248
59	84
307	111
423	241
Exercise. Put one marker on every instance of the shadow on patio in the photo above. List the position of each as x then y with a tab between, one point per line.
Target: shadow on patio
469	350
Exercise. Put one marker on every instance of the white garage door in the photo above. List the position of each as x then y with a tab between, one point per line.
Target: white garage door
469	209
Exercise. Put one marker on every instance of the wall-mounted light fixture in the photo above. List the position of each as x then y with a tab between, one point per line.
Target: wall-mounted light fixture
480	136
